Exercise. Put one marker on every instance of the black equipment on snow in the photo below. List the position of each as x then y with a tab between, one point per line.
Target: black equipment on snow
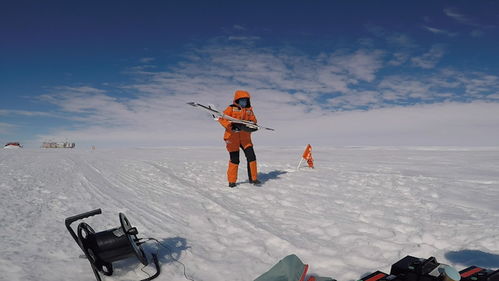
417	269
105	247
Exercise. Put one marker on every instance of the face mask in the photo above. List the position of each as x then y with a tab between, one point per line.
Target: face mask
244	102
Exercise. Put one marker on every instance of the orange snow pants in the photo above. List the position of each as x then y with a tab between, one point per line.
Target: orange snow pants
234	143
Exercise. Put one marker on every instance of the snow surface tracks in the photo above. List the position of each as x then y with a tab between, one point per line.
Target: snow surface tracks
360	210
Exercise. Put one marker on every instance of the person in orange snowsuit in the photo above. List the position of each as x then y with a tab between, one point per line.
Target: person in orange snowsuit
239	136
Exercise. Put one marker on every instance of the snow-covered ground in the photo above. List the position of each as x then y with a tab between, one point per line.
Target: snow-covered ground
360	210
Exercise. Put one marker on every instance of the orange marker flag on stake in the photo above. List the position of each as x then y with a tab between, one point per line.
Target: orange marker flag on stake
307	155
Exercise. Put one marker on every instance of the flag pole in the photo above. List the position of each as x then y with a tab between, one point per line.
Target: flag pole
299	164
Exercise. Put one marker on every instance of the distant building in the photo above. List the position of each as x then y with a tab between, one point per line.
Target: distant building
13	145
65	144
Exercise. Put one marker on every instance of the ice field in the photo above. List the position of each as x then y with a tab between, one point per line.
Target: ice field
360	210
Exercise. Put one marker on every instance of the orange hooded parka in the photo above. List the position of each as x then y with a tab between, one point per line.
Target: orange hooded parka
239	139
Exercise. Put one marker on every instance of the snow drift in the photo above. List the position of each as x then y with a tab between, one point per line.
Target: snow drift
360	210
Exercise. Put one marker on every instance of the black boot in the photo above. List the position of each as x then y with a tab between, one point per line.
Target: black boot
256	182
232	184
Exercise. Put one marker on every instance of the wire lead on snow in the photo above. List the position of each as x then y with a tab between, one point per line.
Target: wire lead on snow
170	251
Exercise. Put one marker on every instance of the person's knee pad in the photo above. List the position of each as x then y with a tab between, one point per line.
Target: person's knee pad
234	157
250	154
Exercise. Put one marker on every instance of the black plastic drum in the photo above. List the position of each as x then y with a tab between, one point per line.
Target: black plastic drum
108	246
105	247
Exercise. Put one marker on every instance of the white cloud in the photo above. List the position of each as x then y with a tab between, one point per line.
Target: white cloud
238	27
438	86
292	92
437	124
10	112
355	99
401	45
5	127
244	38
466	20
435	30
398	58
361	65
475	85
147	60
401	88
429	59
81	89
401	40
82	100
264	69
394	39
480	86
456	15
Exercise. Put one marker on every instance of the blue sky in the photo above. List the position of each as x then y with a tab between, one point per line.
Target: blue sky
341	72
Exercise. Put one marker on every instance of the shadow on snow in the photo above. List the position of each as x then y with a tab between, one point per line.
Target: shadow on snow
168	250
473	257
272	175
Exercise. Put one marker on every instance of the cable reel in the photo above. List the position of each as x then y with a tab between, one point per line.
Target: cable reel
108	246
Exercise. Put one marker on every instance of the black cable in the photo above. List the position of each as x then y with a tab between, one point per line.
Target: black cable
170	251
156	263
142	269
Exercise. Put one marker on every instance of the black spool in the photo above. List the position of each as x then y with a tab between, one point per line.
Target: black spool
108	246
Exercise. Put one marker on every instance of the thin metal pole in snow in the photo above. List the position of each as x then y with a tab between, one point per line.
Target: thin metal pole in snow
299	164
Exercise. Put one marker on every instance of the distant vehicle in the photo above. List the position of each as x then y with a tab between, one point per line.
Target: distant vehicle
13	145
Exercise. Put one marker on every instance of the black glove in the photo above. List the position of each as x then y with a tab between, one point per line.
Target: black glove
236	127
248	129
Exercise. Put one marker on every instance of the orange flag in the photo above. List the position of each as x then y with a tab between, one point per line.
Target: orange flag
307	155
